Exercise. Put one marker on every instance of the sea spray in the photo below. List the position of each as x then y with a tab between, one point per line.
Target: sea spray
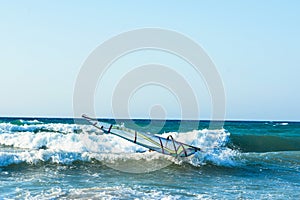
65	145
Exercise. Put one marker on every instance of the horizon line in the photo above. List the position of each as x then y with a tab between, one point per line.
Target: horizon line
158	119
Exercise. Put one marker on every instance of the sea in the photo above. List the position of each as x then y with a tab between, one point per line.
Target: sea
59	158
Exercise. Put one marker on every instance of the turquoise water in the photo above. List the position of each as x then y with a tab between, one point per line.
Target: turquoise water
57	159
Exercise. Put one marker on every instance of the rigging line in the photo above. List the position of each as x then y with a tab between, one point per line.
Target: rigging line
135	136
170	136
161	145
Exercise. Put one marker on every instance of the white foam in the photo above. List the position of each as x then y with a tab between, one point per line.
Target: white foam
52	127
112	192
284	124
35	121
65	146
213	146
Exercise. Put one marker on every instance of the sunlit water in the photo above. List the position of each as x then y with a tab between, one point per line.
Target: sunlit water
54	158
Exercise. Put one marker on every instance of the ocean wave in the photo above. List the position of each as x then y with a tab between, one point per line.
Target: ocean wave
213	144
26	122
51	127
265	143
62	143
66	143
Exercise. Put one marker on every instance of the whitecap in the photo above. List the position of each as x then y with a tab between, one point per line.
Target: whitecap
64	145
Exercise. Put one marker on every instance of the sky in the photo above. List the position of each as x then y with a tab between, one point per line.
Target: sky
254	45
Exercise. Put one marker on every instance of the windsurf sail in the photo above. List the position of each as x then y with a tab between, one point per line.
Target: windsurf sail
167	146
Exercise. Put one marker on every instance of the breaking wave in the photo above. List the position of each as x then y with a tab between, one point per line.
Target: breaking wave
35	142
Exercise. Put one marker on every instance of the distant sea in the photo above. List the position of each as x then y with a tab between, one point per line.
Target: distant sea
48	158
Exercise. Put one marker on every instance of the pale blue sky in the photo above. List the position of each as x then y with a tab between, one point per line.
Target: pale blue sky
255	45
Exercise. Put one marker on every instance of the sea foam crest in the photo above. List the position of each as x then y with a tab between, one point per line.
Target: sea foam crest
64	145
213	145
52	127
